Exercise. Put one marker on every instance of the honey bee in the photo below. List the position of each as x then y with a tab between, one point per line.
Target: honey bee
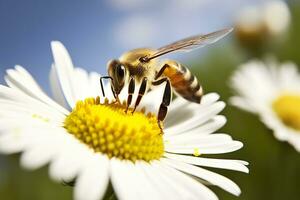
142	67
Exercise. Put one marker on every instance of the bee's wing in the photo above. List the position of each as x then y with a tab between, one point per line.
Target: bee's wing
191	43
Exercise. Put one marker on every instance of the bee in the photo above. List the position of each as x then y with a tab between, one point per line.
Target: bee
142	67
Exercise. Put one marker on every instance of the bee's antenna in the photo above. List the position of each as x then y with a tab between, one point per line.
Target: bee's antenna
144	59
102	88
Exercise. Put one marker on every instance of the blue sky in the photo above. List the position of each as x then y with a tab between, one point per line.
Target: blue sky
95	31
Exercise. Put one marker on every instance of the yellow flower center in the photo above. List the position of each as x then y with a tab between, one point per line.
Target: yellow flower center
287	107
106	128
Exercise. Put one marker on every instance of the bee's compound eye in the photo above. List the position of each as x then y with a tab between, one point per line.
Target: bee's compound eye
121	71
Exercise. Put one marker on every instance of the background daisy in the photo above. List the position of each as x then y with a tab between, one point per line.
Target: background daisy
272	91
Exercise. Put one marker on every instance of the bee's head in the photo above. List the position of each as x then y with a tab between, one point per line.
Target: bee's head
117	71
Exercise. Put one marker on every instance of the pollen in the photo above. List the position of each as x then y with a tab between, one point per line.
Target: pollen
287	108
107	128
196	152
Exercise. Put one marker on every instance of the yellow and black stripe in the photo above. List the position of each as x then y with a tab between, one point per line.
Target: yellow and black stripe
184	82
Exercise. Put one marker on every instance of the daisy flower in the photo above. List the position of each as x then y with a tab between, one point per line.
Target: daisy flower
272	91
86	138
255	25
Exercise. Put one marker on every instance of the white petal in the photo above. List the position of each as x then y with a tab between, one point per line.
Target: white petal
20	73
242	103
288	77
10	97
75	83
21	125
94	84
152	100
119	179
21	80
39	153
180	188
17	136
205	149
64	68
72	158
199	139
167	183
56	89
236	165
12	142
81	84
210	98
262	78
152	192
177	103
142	185
211	126
195	189
209	176
139	184
92	182
182	109
281	131
205	129
28	112
198	116
161	184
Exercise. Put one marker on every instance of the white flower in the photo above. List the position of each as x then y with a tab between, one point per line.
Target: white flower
277	17
261	23
93	143
272	91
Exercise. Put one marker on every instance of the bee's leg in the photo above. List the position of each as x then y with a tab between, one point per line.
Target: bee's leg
142	91
130	92
101	84
161	71
163	108
112	89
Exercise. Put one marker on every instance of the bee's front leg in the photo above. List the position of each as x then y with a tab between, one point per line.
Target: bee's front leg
163	108
112	88
131	88
142	91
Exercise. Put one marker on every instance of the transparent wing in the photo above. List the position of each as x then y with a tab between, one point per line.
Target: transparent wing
191	43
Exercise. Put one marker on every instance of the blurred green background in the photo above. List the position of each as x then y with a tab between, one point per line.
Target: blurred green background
274	166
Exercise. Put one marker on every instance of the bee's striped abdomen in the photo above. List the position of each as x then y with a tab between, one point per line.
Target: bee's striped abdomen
183	81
